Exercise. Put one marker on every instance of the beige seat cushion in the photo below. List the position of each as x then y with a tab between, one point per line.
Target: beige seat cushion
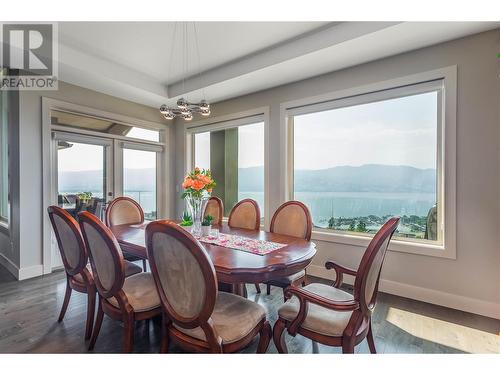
320	319
234	317
130	269
290	279
140	290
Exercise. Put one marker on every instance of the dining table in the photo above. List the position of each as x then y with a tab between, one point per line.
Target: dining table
235	268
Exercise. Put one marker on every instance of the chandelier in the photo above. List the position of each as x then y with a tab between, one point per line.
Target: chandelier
186	109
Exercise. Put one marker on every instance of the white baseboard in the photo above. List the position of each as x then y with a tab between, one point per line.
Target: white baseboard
21	273
9	265
29	272
435	297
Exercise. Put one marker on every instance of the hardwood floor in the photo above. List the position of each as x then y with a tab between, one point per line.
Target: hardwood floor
29	310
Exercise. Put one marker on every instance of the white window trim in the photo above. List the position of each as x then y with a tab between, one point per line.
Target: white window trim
163	165
232	120
446	158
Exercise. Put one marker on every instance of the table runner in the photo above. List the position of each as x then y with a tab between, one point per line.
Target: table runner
250	245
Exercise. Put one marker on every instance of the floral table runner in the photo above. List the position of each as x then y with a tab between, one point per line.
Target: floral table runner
250	245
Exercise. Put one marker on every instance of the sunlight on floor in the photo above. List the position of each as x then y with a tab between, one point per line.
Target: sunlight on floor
453	335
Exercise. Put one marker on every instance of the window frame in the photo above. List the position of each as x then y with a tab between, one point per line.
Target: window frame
445	80
226	122
5	151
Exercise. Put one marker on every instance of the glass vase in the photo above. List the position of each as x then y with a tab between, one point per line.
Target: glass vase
196	206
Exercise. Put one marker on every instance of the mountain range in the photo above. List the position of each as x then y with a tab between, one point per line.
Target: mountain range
365	178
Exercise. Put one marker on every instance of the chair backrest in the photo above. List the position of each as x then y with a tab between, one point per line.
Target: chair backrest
106	257
183	272
124	210
245	215
215	208
69	239
368	275
292	219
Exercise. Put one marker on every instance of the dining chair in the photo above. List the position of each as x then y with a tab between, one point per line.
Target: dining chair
196	315
75	260
292	218
215	208
331	316
125	210
128	299
245	215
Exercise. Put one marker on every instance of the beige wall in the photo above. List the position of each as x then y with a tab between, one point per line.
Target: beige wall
472	281
28	252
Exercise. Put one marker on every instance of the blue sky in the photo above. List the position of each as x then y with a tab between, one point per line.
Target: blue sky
399	131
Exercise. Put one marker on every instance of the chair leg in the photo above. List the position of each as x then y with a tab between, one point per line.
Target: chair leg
257	288
128	333
369	338
97	326
265	336
347	346
164	335
144	265
90	312
64	307
268	289
279	337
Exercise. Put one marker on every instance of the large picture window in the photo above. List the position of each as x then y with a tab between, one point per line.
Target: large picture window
360	160
235	156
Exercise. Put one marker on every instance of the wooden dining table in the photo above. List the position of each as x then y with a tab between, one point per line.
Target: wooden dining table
235	267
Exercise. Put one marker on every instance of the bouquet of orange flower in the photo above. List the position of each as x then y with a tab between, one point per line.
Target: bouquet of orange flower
198	183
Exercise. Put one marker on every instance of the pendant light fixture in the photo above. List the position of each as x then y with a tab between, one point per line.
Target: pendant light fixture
186	109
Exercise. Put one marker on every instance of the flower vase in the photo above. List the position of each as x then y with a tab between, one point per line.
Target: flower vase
196	206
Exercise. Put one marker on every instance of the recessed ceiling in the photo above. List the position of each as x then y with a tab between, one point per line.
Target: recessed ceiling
145	62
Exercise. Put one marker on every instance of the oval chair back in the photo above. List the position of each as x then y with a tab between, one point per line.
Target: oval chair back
69	240
184	275
368	274
124	210
106	257
245	215
215	208
292	219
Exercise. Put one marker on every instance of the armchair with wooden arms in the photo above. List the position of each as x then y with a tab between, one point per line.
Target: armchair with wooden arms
331	316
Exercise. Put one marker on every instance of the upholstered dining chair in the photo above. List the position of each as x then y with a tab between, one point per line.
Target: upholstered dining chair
196	315
245	215
331	316
215	208
125	299
75	260
125	210
292	218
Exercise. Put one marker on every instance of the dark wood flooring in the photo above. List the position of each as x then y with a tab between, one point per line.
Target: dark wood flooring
29	310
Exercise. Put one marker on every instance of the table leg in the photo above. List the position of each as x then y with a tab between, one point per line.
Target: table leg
240	290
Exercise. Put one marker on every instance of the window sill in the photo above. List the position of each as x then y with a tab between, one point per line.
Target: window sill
410	247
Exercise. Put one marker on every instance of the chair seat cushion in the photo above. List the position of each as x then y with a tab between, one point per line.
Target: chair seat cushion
320	319
288	280
141	293
130	269
234	317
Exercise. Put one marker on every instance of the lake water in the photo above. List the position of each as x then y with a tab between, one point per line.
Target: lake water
325	205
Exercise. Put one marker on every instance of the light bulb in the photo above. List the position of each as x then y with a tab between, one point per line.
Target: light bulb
205	112
188	117
182	103
169	116
164	109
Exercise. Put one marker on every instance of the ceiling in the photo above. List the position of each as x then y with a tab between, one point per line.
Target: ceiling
156	62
